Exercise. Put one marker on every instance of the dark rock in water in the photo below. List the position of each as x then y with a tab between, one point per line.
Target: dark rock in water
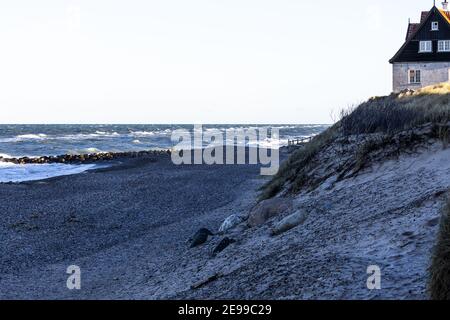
200	237
83	158
223	245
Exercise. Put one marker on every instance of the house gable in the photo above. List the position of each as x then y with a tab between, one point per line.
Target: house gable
409	52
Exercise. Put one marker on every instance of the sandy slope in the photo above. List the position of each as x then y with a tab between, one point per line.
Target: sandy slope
387	216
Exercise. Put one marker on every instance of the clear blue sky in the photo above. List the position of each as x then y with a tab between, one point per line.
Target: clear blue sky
203	61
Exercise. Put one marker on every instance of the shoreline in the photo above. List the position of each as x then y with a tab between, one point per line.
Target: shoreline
107	160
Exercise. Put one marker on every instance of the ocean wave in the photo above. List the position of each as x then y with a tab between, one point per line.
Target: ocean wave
150	133
106	138
85	151
4	155
30	172
142	133
269	143
38	136
6	165
87	136
78	136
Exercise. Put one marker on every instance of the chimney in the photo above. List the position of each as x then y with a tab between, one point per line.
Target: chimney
445	5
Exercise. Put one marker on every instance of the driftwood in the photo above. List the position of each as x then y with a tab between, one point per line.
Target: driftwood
202	283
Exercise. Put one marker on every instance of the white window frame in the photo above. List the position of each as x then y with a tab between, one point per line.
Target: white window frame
435	26
444	46
414	76
425	46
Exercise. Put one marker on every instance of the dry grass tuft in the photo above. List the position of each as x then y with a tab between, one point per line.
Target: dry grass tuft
293	170
385	115
439	284
438	89
398	112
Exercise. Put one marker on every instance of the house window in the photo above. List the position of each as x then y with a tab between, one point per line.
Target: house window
414	76
435	26
444	45
425	46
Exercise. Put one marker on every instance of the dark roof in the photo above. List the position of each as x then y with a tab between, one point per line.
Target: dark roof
423	16
412	29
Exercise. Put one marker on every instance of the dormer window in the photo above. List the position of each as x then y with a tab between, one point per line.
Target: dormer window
425	46
435	26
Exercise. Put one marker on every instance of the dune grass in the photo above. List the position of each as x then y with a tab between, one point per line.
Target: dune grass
399	112
293	169
387	115
439	284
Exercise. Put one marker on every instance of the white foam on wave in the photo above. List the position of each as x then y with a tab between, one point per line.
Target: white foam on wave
75	137
269	143
10	172
85	151
4	155
87	136
39	136
142	133
150	133
24	137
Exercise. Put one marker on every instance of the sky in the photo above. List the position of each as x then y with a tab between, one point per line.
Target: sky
196	61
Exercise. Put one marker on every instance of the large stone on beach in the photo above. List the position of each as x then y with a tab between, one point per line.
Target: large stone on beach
288	223
223	245
230	223
200	237
268	209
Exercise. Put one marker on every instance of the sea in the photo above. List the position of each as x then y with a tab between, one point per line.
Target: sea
52	140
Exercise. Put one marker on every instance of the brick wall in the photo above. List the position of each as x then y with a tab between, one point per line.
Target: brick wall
431	73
